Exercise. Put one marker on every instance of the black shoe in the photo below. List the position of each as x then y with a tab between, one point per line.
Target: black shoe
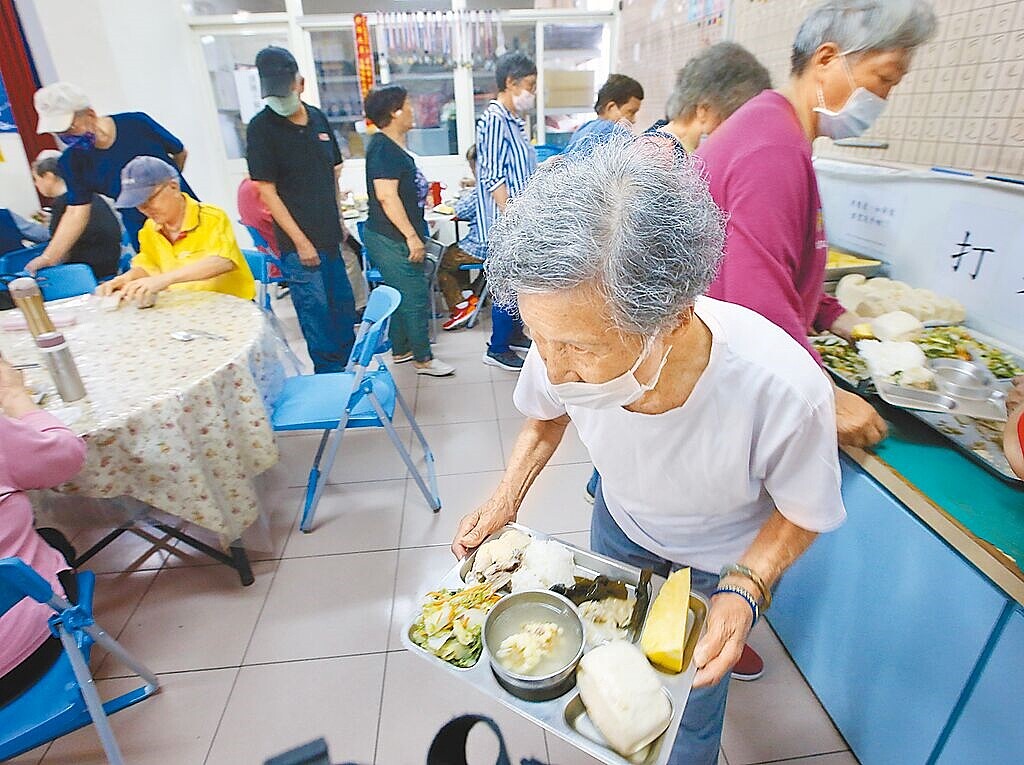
520	342
509	360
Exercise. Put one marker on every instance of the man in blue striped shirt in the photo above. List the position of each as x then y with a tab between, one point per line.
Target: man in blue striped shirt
505	161
618	101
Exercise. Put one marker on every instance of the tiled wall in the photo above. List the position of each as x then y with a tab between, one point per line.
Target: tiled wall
962	105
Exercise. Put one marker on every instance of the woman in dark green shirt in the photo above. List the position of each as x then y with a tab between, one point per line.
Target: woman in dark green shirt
395	227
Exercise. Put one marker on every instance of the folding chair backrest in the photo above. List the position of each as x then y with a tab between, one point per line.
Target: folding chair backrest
69	280
257	264
19	581
258	241
382	303
14	262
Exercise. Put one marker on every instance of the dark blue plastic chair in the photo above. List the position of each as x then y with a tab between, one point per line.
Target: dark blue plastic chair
14	262
67	280
65	698
363	396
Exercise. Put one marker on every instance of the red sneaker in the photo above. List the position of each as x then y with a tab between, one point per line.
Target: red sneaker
749	667
460	316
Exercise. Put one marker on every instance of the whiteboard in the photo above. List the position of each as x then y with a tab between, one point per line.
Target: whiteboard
958	236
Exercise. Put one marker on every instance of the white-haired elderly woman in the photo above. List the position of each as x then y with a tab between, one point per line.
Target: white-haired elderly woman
847	57
713	430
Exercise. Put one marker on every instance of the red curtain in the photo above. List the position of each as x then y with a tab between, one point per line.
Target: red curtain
20	80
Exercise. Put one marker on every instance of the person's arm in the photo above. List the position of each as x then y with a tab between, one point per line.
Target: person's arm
70	228
537	441
1013	432
307	252
48	453
490	161
36	233
207	268
171	143
777	545
121	281
386	190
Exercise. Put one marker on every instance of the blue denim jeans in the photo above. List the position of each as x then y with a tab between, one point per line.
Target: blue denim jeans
323	300
700	733
504	326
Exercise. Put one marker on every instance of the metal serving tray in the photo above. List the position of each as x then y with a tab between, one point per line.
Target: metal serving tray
566	716
992	408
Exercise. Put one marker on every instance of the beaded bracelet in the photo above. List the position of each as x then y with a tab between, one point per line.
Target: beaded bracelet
751	600
753	576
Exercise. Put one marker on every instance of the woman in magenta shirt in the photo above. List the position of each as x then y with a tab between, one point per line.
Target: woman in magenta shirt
36	452
848	55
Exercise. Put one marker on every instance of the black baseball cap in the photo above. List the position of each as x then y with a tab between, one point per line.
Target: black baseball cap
277	68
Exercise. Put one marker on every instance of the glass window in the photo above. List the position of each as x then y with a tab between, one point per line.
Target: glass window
311	7
334	55
575	66
230	60
486	36
231	7
420	56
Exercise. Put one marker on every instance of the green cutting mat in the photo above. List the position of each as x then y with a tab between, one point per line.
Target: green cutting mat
988	507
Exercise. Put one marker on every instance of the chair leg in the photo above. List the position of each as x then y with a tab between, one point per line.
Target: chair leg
330	442
92	698
429	492
275	325
475	316
116	650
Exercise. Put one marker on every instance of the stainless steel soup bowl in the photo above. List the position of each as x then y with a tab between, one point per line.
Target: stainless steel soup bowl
536	687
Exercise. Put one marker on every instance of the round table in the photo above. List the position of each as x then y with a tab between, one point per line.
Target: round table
181	426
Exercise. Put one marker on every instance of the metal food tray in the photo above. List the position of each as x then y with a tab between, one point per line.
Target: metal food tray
905	397
566	716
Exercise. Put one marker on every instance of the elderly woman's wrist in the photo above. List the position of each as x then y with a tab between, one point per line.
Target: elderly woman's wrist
17	402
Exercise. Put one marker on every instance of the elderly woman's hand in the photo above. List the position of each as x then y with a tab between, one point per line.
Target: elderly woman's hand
15	398
476	526
728	624
857	422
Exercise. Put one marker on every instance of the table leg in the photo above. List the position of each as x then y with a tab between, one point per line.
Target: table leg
241	563
99	546
238	560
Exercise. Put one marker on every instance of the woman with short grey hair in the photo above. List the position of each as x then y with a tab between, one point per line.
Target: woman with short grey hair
709	88
847	57
712	429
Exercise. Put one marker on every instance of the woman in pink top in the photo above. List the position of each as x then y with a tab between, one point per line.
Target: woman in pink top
848	55
36	451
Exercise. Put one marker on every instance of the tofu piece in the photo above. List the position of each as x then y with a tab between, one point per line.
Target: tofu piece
623	696
665	631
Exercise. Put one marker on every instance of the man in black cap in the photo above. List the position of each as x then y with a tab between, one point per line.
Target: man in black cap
295	161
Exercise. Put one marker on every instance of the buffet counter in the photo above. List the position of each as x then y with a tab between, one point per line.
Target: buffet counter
908	621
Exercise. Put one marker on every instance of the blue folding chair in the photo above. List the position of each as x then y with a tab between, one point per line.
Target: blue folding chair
14	262
363	396
64	281
370	272
258	264
127	253
65	698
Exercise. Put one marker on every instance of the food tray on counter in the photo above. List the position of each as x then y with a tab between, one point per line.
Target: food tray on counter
980	439
565	716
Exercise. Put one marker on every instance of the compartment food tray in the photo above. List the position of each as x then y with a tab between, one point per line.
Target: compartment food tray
565	716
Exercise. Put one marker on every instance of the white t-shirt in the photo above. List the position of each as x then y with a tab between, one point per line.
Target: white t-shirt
696	483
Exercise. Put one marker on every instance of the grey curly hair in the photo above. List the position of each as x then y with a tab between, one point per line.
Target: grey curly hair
632	215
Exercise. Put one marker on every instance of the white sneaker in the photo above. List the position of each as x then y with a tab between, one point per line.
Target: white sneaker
436	368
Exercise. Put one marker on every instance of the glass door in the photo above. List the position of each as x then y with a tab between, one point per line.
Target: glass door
576	61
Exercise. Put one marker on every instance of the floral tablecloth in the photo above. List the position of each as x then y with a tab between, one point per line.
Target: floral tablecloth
180	425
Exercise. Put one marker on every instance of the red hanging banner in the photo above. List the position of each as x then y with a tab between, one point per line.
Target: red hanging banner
364	54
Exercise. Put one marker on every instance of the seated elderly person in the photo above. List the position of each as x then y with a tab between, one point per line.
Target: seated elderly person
713	430
184	245
36	451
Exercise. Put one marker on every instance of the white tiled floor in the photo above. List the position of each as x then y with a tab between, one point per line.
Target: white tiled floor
312	648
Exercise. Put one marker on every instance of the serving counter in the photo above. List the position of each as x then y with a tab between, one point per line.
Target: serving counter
908	621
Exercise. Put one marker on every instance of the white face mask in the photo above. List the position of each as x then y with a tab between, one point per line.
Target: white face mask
858	114
620	391
524	101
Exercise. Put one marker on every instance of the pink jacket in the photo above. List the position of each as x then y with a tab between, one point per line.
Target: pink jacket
36	452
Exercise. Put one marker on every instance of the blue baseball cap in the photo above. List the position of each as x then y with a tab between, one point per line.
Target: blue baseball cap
141	177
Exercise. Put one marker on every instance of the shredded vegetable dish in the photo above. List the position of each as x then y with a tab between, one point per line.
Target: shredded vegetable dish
451	623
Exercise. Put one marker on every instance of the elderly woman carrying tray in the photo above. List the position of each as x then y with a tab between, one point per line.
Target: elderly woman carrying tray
713	430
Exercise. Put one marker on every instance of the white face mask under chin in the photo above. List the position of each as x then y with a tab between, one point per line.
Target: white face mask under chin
617	392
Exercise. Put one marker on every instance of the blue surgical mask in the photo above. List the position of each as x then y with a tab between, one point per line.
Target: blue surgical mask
858	114
285	106
82	141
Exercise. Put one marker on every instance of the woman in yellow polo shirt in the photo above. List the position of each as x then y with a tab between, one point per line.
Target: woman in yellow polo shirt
184	245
